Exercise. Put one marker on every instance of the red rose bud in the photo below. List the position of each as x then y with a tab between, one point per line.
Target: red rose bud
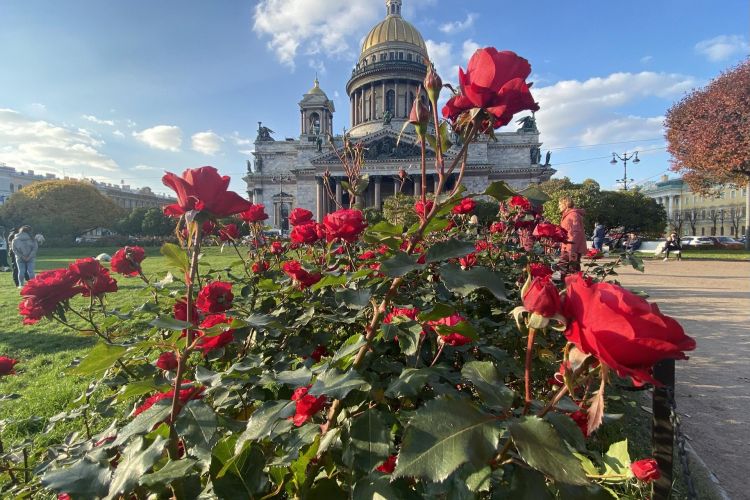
520	203
300	216
127	261
465	206
594	254
419	116
299	275
260	267
423	209
167	361
204	190
433	84
255	213
646	470
307	405
345	224
6	365
304	233
621	329
542	298
215	297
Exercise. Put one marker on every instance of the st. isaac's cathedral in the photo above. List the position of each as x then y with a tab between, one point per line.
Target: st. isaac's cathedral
289	173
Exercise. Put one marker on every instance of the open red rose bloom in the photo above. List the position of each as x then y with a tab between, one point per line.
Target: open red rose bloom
204	190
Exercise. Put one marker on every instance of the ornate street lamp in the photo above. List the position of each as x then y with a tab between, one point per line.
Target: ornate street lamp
625	158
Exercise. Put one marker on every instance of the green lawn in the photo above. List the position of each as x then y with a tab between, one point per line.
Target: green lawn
708	254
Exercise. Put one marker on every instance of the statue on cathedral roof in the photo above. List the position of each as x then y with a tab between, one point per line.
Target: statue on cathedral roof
528	124
264	133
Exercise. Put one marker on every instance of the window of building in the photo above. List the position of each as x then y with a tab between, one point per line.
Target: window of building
703	214
731	195
390	101
401	56
314	124
703	231
11	187
722	231
392	56
408	57
382	56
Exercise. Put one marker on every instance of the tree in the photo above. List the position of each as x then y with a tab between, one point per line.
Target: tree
60	208
155	223
692	217
132	223
708	134
399	210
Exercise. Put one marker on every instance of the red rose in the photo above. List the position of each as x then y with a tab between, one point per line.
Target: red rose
646	470
63	496
388	466
180	312
185	396
465	206
445	335
497	227
85	269
621	329
299	275
254	213
304	233
403	312
520	202
594	254
542	298
482	245
277	248
208	228
43	293
208	344
550	231
423	209
102	284
229	233
307	406
127	261
204	190
6	365
496	82
318	353
167	361
215	297
581	418
345	224
260	267
539	270
468	261
300	216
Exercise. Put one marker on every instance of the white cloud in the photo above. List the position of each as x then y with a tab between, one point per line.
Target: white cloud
98	121
646	59
312	26
441	55
118	133
208	142
590	112
239	140
45	147
38	107
144	167
722	47
318	65
165	137
458	26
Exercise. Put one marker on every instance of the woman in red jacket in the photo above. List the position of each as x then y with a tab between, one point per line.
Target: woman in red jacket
572	221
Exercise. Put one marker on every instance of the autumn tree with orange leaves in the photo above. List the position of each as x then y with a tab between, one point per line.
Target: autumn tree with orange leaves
708	134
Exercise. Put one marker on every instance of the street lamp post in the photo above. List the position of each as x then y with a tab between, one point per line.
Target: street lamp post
625	158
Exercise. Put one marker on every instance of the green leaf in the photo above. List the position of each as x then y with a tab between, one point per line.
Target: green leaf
354	299
144	422
499	190
443	435
568	430
197	425
134	463
488	383
331	280
266	421
237	475
464	328
299	466
408	340
465	282
376	486
385	227
410	382
400	264
479	480
176	256
99	359
84	479
438	311
528	484
369	440
137	388
169	323
617	459
295	378
173	471
345	355
541	447
435	224
451	249
337	385
636	262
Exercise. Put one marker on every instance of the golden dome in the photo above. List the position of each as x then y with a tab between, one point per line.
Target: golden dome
316	90
394	29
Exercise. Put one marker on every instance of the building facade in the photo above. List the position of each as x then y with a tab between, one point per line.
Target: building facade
692	214
381	89
125	197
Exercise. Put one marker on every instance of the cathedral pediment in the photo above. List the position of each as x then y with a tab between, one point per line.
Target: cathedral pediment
383	146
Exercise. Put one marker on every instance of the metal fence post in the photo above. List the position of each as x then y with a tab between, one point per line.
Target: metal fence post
662	430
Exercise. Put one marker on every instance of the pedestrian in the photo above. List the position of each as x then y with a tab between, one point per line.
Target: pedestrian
24	248
599	232
674	244
11	256
39	237
632	243
3	251
572	221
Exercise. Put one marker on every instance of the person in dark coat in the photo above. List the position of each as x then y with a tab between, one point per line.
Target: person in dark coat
674	244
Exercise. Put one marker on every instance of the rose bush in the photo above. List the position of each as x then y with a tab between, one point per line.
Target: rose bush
370	361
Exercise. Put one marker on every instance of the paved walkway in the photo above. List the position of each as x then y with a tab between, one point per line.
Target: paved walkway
711	299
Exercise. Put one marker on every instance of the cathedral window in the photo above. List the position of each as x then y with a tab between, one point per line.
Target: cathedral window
400	56
314	124
390	101
408	57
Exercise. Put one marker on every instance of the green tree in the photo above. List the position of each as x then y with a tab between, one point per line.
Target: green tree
60	208
132	223
155	223
399	210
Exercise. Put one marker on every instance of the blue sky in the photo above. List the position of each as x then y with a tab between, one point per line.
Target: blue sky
123	90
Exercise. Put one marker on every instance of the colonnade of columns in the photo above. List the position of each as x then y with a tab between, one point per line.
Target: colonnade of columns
670	203
368	102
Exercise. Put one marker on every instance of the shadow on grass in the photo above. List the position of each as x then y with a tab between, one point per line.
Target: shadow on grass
38	343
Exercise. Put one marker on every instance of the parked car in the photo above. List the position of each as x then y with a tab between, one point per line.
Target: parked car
698	241
727	242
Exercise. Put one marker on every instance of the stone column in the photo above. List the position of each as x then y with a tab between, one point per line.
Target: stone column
436	182
352	110
418	185
668	207
396	184
372	101
378	181
339	193
320	199
395	100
